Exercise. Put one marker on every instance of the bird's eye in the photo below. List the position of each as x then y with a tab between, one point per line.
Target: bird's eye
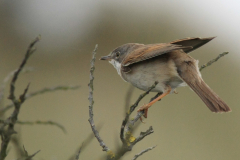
117	54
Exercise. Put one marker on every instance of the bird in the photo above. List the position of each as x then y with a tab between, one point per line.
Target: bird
167	63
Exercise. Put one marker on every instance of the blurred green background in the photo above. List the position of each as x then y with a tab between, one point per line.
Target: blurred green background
184	127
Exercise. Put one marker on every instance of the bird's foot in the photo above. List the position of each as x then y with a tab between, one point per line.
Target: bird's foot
145	109
146	106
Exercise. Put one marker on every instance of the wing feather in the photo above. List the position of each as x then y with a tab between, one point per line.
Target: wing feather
144	52
149	51
195	42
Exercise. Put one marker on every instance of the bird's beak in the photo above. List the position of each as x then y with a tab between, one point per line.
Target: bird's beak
105	58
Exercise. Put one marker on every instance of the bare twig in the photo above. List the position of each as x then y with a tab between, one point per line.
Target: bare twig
213	60
126	136
52	89
142	152
44	123
90	98
15	139
132	108
143	135
30	51
26	156
77	156
7	78
10	122
42	91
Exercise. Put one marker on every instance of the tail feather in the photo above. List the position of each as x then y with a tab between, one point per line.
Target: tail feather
189	72
211	99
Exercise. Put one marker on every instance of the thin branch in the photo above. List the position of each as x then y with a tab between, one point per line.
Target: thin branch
6	134
43	123
126	136
77	156
52	89
26	156
90	98
42	91
143	135
30	51
213	60
31	156
142	152
8	77
130	141
132	108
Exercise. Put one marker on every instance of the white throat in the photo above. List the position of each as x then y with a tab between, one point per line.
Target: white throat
116	65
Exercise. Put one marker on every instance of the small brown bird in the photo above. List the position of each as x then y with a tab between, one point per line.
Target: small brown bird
169	64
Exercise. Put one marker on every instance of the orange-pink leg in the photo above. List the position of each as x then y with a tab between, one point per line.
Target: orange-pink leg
146	106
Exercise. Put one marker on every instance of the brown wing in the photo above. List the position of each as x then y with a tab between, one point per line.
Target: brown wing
194	42
149	51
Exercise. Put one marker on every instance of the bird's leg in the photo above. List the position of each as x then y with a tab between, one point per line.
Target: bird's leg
146	110
158	97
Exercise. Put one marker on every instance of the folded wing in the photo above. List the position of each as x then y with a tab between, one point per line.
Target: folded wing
149	51
145	52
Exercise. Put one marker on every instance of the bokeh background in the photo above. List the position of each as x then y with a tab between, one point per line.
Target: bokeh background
184	127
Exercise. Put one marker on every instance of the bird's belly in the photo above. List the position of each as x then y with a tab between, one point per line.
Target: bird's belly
143	75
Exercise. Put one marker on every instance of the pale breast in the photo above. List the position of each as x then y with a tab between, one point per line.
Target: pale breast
144	74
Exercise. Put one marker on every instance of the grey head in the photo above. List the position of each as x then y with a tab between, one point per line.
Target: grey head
121	52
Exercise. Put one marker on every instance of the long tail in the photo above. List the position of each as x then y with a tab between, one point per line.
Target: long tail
209	97
188	71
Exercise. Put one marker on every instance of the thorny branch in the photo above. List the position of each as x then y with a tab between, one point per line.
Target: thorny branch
10	122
